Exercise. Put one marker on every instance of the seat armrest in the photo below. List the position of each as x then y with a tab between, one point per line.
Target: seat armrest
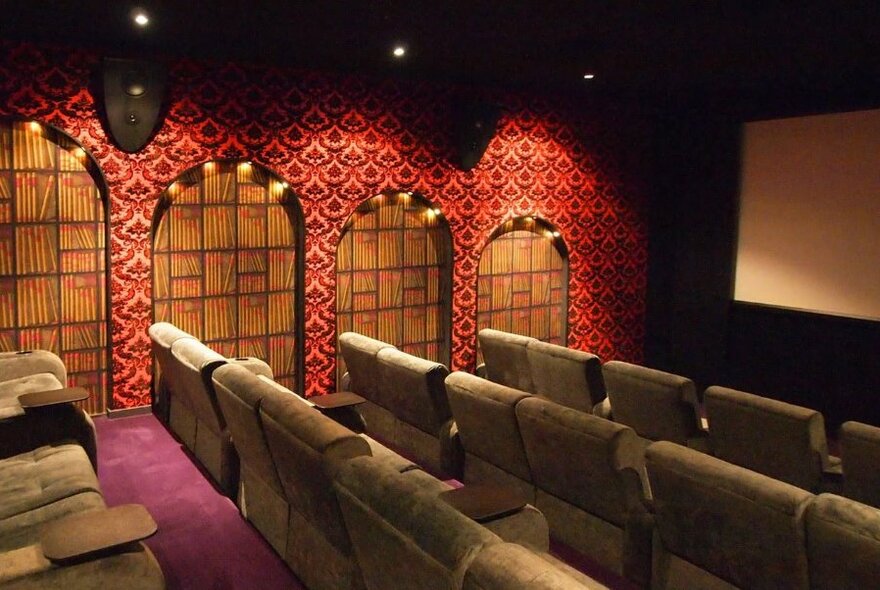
14	365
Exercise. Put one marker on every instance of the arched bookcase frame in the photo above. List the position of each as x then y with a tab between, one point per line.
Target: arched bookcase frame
385	285
526	295
235	248
56	296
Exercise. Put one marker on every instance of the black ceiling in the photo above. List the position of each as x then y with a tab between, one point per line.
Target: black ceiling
642	49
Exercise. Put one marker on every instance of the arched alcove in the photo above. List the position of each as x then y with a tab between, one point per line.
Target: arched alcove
522	281
394	275
228	263
53	254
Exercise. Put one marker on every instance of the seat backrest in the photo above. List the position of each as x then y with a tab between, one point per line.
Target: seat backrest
403	536
843	544
656	404
240	394
860	453
413	389
189	377
738	525
306	446
778	439
485	413
507	566
603	479
506	358
569	377
162	336
359	353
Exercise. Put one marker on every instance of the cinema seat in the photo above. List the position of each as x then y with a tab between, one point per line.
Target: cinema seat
24	430
195	414
433	545
162	336
723	526
860	459
778	439
572	378
485	415
843	544
506	358
40	488
588	473
657	405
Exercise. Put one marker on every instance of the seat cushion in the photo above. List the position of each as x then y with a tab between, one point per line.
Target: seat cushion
37	478
12	388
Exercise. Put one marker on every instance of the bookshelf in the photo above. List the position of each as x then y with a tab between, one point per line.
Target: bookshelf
227	263
53	236
522	281
394	276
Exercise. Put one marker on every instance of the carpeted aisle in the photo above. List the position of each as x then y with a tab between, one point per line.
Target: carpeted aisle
203	542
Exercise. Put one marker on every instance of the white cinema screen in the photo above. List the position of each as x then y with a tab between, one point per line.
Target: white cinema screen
809	223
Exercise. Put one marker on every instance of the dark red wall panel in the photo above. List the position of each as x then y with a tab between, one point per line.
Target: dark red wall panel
339	140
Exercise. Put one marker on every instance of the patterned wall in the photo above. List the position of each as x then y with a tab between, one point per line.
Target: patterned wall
522	279
338	138
53	255
394	276
225	263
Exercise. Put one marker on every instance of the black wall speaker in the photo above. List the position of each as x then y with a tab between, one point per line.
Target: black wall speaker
133	95
475	124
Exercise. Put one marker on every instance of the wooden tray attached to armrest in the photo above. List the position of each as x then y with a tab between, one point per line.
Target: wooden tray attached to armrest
90	532
483	502
39	399
341	399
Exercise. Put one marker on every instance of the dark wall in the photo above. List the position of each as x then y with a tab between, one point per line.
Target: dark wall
692	327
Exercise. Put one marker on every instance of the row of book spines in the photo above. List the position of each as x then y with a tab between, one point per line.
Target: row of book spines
74	339
369	301
232	317
40	197
504	291
224	228
538	322
404	326
365	250
37	253
499	300
221	282
506	256
37	302
280	263
396	216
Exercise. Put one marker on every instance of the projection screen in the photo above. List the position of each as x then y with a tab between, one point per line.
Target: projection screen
809	222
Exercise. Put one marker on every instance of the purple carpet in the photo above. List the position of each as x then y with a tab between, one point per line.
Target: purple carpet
203	542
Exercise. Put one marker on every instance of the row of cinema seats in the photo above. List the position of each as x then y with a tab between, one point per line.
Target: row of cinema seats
626	515
513	439
52	513
778	439
344	511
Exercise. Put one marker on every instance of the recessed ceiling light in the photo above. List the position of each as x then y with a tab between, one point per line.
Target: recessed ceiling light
398	51
140	18
589	76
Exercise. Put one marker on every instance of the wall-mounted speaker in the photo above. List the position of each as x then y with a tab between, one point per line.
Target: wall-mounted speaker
133	95
475	124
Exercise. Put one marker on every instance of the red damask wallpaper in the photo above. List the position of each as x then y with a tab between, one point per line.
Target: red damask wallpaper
339	140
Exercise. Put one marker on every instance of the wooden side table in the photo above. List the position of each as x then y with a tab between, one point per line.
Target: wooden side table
80	535
484	502
331	401
40	399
